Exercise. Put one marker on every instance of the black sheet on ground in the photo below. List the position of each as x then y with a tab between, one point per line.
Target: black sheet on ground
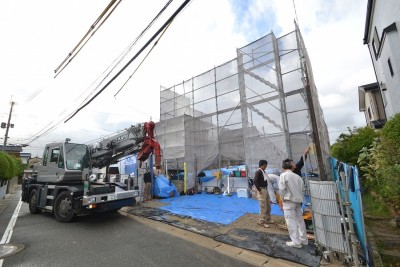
271	245
200	227
155	214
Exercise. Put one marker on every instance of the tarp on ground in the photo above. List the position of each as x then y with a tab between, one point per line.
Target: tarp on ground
215	208
163	187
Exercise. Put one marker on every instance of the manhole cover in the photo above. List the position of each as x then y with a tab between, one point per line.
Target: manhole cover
10	249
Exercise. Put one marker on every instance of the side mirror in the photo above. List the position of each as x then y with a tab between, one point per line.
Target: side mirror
31	166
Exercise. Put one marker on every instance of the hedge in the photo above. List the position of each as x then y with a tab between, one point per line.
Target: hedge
9	166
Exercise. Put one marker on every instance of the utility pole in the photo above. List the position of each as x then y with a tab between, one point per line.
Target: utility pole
8	126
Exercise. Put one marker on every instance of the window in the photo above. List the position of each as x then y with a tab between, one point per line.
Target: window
372	105
55	153
375	43
375	48
77	156
390	67
384	98
61	159
45	155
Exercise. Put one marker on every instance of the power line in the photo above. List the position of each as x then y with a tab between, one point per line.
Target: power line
47	128
132	59
86	37
33	95
119	59
154	45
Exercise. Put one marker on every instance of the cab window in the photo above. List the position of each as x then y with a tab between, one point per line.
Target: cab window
61	159
55	153
45	155
76	156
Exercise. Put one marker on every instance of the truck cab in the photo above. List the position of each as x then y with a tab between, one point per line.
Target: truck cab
63	162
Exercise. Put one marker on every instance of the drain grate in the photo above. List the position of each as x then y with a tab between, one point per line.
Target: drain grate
10	249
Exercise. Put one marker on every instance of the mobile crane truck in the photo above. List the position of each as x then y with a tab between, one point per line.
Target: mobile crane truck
67	183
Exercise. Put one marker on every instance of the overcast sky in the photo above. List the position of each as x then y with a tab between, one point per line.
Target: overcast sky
38	34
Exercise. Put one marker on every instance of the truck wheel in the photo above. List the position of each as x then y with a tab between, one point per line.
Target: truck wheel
33	202
63	210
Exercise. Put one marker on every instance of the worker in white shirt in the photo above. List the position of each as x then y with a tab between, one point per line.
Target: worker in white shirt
291	188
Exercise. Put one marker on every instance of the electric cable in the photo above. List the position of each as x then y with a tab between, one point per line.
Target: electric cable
132	59
72	54
119	59
87	40
33	95
148	53
44	131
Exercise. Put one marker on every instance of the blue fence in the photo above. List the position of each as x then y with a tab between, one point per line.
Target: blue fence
355	199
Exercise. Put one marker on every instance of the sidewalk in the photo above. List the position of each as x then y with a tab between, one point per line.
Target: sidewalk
4	202
6	199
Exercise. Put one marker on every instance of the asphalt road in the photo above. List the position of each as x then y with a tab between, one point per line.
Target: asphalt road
100	240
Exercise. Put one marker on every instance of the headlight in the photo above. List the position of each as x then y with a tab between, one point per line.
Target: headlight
91	200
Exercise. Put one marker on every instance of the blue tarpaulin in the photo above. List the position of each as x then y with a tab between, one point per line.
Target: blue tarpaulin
354	193
215	208
163	187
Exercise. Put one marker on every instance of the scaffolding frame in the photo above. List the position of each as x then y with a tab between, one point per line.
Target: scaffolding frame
261	105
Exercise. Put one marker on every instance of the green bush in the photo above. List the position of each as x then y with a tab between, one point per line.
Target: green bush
348	146
9	166
391	141
380	164
21	167
4	167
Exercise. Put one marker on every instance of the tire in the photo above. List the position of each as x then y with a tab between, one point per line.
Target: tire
63	208
33	202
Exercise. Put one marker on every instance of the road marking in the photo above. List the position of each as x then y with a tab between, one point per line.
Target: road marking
8	233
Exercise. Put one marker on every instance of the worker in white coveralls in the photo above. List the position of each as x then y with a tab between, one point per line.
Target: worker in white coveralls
291	190
273	180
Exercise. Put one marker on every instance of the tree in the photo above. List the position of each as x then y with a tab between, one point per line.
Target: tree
21	167
9	166
348	145
390	140
381	164
4	167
